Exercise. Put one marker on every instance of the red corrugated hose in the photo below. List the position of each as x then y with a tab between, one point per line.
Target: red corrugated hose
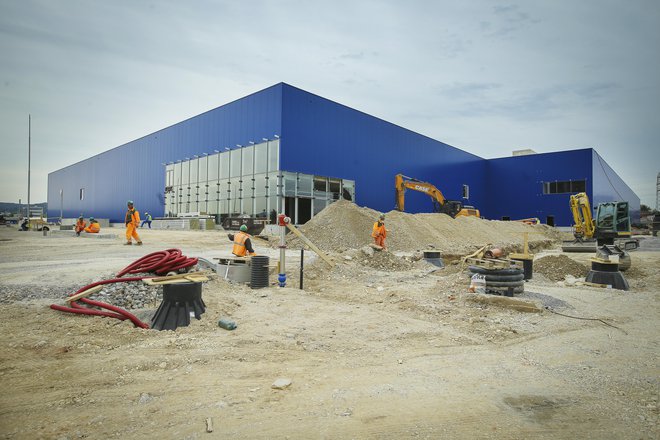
160	263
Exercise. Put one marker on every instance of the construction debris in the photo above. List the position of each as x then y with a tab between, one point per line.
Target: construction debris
556	267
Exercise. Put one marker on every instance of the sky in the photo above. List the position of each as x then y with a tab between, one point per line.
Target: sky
488	77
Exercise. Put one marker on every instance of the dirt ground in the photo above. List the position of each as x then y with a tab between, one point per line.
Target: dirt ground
374	349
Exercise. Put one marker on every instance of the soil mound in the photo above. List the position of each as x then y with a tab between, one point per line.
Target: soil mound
556	267
343	225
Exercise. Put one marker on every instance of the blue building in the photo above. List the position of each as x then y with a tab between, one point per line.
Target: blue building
285	148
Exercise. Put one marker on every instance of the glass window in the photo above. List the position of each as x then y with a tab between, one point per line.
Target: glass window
248	160
185	173
203	168
578	186
260	185
261	207
564	187
194	169
273	155
260	158
319	204
320	184
213	167
334	187
235	162
177	174
224	165
348	190
289	182
305	182
273	183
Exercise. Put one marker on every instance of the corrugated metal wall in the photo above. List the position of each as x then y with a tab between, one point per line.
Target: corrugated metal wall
134	171
609	187
515	185
323	137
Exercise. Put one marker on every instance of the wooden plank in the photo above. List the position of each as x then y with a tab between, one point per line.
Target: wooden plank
310	244
181	275
188	279
85	293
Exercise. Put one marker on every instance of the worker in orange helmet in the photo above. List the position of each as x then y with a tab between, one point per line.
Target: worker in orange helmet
93	227
379	233
132	221
242	243
80	225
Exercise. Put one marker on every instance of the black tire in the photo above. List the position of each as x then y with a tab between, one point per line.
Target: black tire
504	283
482	271
501	290
518	277
45	228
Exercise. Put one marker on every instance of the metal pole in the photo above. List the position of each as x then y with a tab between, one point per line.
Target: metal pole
282	220
61	204
29	158
302	265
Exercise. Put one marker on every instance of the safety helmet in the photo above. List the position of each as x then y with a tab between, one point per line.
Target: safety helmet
130	202
81	218
91	219
382	216
146	213
243	228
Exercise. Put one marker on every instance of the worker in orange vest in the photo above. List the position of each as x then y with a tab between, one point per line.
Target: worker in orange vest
242	243
379	233
80	225
132	221
93	227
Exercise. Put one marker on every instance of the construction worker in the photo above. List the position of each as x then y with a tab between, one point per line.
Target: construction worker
80	225
242	243
132	221
93	227
147	220
379	233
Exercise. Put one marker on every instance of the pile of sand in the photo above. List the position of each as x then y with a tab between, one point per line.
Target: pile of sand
343	225
556	267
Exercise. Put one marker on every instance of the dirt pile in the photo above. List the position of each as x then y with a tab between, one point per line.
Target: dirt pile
556	267
344	225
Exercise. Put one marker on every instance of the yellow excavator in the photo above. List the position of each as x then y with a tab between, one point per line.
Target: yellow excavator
611	225
453	208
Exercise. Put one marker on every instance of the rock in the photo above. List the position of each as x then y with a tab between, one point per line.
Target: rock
145	398
281	383
380	288
348	257
367	250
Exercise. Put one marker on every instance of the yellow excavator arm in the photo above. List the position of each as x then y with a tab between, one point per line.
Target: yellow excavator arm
583	221
401	183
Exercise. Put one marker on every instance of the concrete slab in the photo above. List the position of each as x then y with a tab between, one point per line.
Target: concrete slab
82	235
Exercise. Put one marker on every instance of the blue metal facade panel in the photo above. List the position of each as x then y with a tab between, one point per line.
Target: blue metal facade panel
515	185
135	171
609	187
325	138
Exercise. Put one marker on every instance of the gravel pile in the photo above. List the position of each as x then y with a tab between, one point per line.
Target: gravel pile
556	267
384	260
26	292
130	295
343	225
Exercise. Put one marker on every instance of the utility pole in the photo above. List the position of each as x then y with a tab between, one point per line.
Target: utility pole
29	156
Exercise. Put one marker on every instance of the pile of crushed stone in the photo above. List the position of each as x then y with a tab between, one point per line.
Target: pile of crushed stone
343	226
385	261
556	267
